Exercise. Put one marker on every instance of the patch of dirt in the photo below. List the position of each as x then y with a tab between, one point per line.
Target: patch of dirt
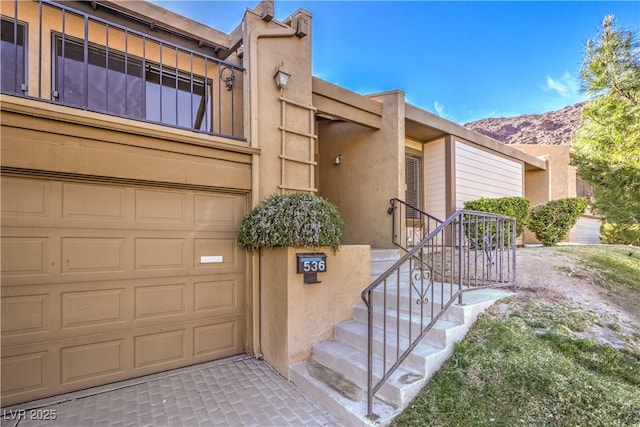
546	274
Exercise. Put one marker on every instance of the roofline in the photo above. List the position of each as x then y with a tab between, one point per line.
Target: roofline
421	116
176	23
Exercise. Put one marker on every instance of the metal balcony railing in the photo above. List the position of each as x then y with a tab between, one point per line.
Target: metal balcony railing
62	55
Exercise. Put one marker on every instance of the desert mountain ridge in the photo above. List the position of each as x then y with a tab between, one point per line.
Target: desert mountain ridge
552	128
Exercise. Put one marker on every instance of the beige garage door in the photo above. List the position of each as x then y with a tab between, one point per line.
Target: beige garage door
103	282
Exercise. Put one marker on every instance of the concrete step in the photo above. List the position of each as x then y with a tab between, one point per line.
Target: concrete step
382	260
344	400
473	302
385	254
354	333
351	363
410	324
407	300
418	361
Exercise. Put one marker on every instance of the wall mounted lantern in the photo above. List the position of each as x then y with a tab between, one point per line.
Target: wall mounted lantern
228	78
337	160
281	77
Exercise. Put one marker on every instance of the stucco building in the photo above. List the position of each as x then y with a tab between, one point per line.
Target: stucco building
134	140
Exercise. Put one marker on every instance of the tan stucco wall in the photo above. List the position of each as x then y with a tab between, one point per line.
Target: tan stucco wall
59	139
294	315
371	173
562	176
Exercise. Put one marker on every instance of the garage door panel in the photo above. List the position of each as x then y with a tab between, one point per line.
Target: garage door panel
37	370
92	361
25	314
24	255
93	202
25	197
216	339
218	296
160	348
224	212
24	374
160	301
160	253
161	206
102	283
46	313
49	312
92	308
93	254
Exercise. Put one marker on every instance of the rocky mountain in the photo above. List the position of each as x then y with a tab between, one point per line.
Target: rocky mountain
552	128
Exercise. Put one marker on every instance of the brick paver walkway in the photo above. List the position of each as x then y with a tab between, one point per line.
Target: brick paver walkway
239	391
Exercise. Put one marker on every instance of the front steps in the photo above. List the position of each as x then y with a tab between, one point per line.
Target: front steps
336	375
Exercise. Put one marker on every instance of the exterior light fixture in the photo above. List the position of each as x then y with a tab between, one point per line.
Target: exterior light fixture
281	77
337	160
229	79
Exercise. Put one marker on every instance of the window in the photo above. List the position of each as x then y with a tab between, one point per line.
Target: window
12	52
116	83
413	174
177	99
128	86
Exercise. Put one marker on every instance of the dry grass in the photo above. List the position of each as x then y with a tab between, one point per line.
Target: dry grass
541	359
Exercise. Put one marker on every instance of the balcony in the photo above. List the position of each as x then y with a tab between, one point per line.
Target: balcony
65	56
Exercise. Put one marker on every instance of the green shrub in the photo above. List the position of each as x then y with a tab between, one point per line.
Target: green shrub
299	220
516	207
621	234
552	221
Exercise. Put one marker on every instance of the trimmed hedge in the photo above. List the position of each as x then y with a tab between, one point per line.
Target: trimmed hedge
516	207
552	221
620	234
298	220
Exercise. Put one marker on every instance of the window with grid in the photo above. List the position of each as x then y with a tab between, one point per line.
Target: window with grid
13	54
105	80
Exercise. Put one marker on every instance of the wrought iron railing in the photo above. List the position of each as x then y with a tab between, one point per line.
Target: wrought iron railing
410	224
87	62
470	250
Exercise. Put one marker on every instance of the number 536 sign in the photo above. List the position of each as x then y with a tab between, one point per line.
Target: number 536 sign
311	263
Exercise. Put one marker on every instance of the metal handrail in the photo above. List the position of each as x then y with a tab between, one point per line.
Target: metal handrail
469	250
422	223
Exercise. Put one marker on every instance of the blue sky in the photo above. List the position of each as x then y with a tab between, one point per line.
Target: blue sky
461	60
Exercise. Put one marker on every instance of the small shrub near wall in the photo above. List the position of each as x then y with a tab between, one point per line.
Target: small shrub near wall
552	221
297	220
516	207
620	234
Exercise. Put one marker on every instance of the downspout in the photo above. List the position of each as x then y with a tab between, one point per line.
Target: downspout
255	165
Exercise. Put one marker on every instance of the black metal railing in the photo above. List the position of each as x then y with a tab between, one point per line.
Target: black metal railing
410	224
470	250
98	65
